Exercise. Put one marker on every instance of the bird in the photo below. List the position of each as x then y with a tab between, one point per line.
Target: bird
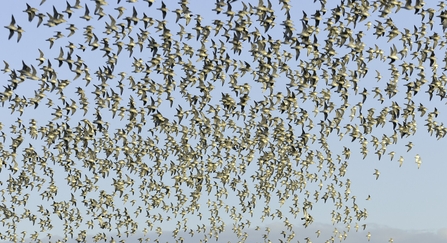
409	145
13	28
32	12
86	15
418	160
6	69
163	9
376	173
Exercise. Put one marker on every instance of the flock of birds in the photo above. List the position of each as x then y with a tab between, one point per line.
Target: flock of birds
161	108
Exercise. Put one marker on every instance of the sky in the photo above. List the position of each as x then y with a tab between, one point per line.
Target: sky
405	203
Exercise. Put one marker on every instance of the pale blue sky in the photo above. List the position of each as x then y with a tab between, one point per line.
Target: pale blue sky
407	203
